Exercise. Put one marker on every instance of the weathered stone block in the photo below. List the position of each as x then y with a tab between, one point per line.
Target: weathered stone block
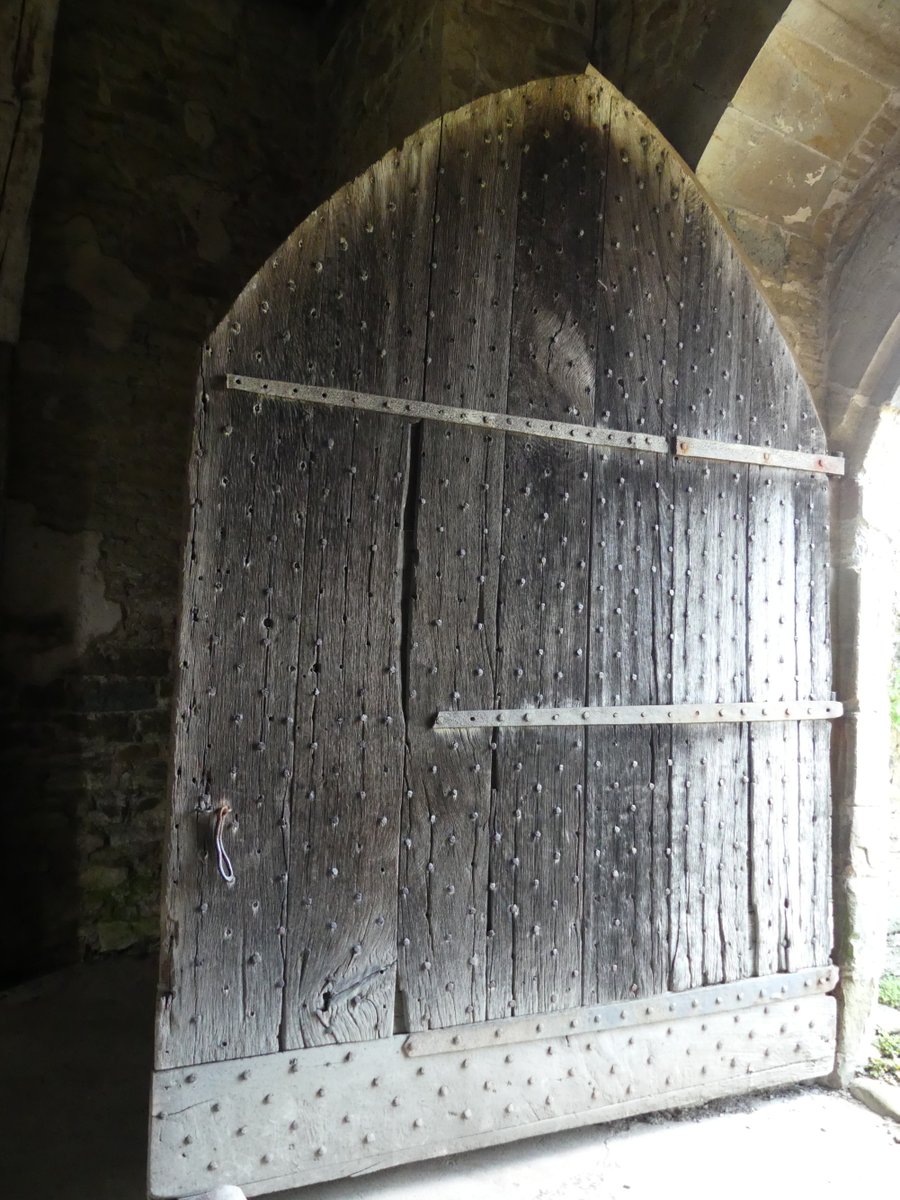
863	33
860	838
808	95
96	695
766	243
749	166
98	878
121	935
860	924
882	1098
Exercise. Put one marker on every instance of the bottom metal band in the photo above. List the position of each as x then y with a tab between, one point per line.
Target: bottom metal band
290	1119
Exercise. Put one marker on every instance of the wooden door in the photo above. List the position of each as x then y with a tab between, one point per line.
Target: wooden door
500	794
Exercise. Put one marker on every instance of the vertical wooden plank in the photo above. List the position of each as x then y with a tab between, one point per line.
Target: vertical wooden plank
709	773
537	818
626	943
237	1002
820	786
450	655
626	935
640	275
709	847
820	683
772	659
198	648
726	410
299	957
804	947
234	737
342	938
369	315
814	943
628	838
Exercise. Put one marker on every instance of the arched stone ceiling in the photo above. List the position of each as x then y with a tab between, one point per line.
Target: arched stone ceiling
393	65
805	163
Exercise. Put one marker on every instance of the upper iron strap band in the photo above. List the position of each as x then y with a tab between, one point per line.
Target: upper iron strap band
560	431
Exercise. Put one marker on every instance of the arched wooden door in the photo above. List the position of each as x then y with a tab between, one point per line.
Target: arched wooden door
503	667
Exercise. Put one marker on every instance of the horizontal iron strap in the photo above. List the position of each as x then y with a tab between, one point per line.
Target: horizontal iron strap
473	418
622	1014
645	714
560	431
763	456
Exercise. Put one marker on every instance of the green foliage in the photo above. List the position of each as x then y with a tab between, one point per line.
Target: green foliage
889	991
886	1063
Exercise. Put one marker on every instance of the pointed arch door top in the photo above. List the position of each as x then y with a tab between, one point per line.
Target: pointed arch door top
570	520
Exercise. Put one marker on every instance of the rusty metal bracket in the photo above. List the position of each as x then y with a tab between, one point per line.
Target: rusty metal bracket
762	456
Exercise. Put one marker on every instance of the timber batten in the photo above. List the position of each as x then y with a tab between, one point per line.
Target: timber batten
548	471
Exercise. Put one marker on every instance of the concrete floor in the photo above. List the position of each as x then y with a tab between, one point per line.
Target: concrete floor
76	1051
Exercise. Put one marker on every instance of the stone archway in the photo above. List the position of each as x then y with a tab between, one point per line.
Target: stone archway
804	164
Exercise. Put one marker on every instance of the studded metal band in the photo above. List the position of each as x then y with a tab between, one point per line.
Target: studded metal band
763	456
647	714
718	998
559	431
473	418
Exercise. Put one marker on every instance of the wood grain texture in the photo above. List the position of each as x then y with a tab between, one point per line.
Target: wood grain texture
307	634
628	839
234	740
780	900
451	652
812	546
539	257
341	927
537	818
448	414
342	931
708	941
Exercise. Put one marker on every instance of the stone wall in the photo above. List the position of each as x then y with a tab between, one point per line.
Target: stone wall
26	50
180	149
681	62
397	64
809	126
